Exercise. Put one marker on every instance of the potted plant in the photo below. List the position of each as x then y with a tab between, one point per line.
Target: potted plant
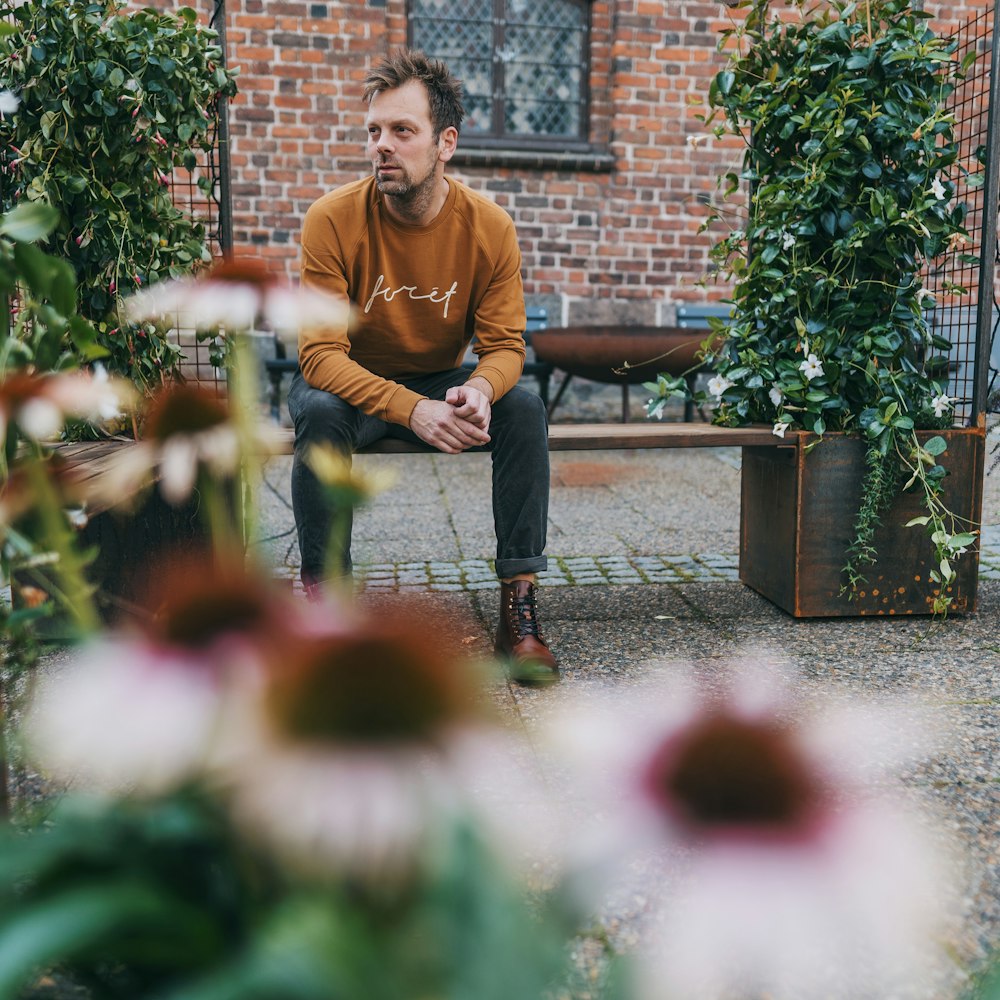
854	182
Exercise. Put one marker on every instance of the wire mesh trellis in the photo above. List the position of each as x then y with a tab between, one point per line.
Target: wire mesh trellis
204	193
969	319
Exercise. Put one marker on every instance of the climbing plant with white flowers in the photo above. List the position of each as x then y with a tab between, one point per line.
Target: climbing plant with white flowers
851	184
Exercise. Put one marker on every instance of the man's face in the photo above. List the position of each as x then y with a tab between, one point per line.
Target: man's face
401	143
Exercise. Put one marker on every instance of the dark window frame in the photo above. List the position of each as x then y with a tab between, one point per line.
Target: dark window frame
502	140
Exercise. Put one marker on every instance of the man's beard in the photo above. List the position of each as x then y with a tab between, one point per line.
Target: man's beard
404	191
398	186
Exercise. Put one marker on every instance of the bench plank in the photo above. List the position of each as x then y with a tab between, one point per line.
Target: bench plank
613	437
89	458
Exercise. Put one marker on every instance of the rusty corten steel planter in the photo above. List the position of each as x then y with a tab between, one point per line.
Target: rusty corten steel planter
600	352
797	519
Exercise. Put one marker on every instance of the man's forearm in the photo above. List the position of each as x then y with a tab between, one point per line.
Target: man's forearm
379	397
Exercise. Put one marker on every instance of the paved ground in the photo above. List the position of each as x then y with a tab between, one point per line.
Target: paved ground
644	573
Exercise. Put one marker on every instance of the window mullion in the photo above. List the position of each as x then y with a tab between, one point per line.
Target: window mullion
499	81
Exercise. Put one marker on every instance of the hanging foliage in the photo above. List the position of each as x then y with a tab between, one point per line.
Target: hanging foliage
113	104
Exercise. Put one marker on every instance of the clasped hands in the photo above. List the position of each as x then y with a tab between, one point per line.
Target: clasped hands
457	423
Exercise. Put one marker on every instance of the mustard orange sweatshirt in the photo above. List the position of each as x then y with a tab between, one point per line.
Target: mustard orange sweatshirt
419	294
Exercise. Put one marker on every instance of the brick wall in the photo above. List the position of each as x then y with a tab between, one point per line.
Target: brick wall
618	243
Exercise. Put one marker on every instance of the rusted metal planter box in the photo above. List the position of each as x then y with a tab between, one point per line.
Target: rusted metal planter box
797	518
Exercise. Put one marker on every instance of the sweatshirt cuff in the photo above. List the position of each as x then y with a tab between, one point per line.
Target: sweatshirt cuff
399	409
495	378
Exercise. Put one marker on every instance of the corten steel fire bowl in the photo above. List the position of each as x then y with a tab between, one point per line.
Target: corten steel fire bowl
620	355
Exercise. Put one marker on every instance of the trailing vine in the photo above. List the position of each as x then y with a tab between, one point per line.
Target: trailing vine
879	489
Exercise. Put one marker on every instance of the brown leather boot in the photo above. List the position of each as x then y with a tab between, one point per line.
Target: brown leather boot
519	639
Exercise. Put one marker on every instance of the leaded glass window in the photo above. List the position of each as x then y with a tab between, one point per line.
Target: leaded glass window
523	64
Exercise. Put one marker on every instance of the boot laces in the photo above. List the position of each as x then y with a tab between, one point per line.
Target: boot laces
526	614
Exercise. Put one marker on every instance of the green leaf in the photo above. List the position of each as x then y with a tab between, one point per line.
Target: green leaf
84	339
935	445
35	267
923	520
962	540
41	933
47	122
29	221
63	291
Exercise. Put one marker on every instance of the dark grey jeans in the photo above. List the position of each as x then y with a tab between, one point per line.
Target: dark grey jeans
518	447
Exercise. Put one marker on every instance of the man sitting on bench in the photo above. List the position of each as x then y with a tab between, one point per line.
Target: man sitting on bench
428	264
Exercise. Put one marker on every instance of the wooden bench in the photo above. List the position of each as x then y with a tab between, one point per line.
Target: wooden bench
610	437
89	458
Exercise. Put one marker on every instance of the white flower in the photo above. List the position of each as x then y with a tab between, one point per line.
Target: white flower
121	717
696	140
92	395
774	858
188	429
40	419
937	189
941	404
146	711
787	240
718	384
236	296
775	394
923	294
9	102
367	745
40	404
779	429
812	367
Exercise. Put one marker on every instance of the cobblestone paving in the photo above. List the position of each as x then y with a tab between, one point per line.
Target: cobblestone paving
478	574
581	571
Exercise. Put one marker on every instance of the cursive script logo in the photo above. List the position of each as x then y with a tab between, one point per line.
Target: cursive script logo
388	294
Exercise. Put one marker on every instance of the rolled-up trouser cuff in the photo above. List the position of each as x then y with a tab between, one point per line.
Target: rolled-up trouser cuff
507	568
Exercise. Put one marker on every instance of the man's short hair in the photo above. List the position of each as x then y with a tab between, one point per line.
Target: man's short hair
443	91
